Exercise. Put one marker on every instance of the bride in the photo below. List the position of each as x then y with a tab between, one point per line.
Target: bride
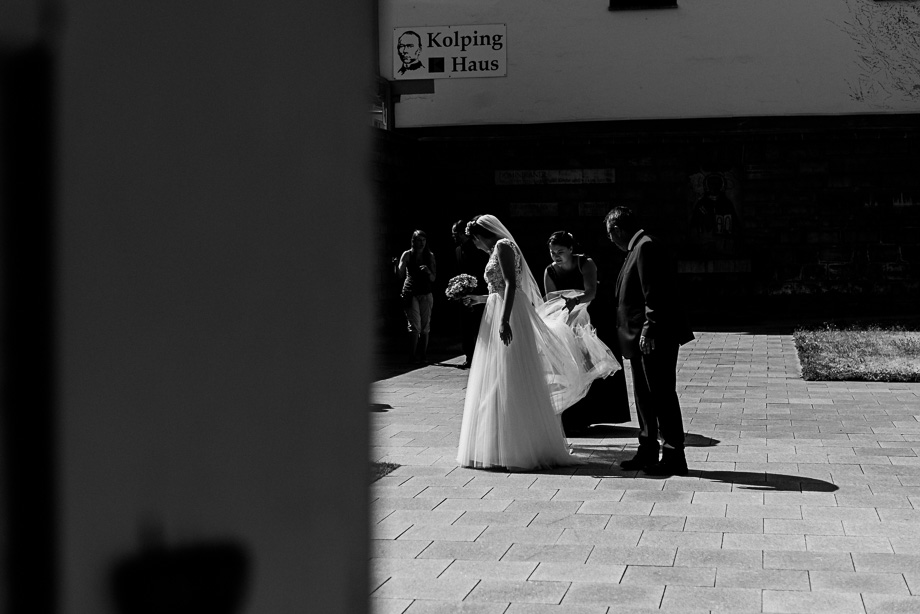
525	369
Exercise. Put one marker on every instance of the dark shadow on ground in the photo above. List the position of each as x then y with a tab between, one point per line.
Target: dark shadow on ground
603	430
749	480
381	407
692	440
606	463
598	431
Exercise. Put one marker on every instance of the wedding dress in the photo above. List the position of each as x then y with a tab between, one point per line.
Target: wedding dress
515	391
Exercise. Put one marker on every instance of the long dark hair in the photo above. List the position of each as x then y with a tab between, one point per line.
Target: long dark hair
565	239
426	253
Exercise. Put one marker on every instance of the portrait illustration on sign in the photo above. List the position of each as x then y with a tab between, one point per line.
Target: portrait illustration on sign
408	48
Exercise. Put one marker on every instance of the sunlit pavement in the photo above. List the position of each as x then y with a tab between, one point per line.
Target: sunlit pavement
800	499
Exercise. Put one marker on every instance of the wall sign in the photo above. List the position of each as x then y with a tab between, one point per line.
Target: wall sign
449	52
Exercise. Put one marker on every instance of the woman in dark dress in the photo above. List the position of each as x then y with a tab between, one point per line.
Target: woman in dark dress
418	269
606	401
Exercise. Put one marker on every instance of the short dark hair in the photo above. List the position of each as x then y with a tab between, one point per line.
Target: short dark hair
621	217
411	33
459	226
563	238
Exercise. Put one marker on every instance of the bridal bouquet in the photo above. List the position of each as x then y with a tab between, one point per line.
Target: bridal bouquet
460	285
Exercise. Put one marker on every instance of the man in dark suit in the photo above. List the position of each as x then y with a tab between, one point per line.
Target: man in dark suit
472	261
650	330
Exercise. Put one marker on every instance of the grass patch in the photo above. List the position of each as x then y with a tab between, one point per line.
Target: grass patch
859	353
378	470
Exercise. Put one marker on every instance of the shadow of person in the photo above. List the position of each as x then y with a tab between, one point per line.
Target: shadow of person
598	431
766	481
604	462
692	440
381	407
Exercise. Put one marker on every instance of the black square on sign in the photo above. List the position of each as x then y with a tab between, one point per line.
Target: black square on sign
435	64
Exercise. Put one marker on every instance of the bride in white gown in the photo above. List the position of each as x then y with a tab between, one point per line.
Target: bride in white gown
525	369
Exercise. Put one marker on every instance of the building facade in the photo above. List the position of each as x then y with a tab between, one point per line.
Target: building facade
777	145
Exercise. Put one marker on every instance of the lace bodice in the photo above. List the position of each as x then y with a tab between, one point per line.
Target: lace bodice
493	273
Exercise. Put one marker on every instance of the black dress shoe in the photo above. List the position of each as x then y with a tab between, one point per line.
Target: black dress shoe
642	459
673	462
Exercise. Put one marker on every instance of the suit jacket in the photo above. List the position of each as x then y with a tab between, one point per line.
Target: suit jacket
647	301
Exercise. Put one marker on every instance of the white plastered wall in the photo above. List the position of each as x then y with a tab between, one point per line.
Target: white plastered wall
577	61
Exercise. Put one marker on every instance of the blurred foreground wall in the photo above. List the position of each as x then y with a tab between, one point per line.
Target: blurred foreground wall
210	340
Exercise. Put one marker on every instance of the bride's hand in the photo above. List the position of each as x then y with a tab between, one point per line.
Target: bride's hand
504	333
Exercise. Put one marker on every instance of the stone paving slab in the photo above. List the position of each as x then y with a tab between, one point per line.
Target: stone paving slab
802	497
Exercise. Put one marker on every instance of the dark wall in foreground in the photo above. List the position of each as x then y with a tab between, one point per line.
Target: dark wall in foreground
765	214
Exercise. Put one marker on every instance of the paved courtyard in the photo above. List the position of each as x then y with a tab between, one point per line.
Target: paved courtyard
801	499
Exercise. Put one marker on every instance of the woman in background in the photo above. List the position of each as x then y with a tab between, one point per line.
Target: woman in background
418	270
573	275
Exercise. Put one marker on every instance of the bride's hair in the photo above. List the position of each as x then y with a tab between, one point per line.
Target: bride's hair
473	228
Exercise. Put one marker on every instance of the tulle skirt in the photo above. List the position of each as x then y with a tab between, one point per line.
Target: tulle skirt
515	392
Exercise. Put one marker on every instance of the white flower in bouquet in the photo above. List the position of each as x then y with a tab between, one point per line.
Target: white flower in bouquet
460	285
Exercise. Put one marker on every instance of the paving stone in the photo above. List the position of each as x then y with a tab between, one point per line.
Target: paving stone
520	519
718	558
619	555
834	561
492	570
460	533
882	562
570	521
600	537
692	599
816	602
614	595
660	539
509	591
422	568
578	572
477	505
658	496
392	549
838	543
522	535
759	541
712	510
403	587
468	551
569	507
913	582
858	582
763	511
647	575
559	553
888	604
646	523
581	494
540	608
617	508
733	497
724	525
428	606
839	513
388	606
778	579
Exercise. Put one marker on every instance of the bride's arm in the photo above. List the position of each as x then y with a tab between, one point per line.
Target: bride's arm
506	260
